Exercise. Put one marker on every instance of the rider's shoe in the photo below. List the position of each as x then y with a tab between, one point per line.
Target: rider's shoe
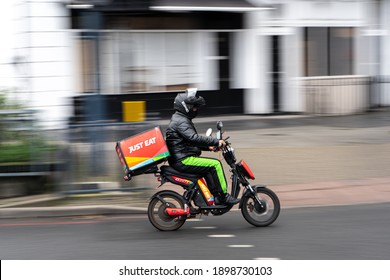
230	200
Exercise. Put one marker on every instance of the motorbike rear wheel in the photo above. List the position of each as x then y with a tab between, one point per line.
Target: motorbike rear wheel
158	216
264	214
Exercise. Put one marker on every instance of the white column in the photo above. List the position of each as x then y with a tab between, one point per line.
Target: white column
44	44
255	53
292	99
385	52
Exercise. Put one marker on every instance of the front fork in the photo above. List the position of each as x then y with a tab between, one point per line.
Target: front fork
250	191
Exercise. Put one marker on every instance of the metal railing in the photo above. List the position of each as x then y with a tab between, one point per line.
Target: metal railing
336	95
342	95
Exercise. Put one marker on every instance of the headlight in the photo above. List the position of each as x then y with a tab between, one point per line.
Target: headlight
245	170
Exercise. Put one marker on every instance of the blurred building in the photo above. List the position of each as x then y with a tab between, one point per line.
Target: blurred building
78	58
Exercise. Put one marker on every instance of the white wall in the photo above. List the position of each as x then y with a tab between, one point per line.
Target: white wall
385	51
372	47
6	46
288	23
321	13
43	41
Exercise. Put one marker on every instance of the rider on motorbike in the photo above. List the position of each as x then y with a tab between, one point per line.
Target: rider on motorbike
185	146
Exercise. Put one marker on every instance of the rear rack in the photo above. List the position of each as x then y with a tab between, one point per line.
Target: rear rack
152	169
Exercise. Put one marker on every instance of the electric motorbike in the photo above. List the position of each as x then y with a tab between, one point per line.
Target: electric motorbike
169	210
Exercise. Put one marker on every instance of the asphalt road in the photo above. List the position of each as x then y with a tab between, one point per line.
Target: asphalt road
319	233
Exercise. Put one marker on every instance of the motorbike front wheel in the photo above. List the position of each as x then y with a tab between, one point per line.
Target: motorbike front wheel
264	213
158	216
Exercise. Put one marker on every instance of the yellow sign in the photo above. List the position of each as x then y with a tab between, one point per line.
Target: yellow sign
133	111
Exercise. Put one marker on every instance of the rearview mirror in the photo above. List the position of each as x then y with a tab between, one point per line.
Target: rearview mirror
219	125
209	132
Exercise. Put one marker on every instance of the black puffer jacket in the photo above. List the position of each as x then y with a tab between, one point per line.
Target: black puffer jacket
183	140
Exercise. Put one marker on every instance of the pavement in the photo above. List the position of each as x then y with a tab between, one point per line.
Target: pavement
308	161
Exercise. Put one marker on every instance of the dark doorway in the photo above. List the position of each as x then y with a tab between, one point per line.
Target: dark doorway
224	65
275	73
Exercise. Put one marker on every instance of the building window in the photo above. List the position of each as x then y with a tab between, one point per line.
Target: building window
164	61
156	62
329	51
86	52
132	62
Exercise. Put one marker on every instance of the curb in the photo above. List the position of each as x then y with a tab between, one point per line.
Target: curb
46	212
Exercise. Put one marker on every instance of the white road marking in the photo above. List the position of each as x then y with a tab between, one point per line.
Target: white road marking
241	246
194	220
266	259
221	235
204	227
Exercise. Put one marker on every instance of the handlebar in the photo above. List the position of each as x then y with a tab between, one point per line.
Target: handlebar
216	149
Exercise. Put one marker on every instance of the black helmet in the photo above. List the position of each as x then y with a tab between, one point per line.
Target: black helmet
185	102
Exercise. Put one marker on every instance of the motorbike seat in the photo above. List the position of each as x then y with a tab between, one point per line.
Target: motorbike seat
169	171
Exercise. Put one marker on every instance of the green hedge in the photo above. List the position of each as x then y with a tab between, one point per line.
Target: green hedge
19	153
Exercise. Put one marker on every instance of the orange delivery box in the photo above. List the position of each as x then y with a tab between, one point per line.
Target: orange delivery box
139	152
